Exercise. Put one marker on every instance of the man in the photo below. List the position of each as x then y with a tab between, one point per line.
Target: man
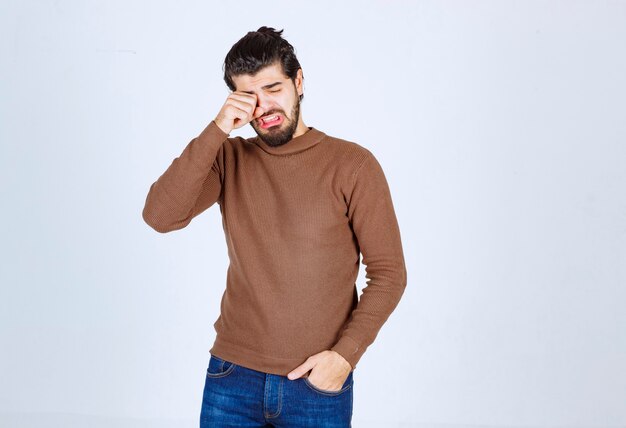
298	208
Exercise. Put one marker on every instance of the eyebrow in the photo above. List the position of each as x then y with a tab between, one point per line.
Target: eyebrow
271	85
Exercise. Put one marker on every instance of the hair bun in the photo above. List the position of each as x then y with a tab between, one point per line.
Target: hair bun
270	30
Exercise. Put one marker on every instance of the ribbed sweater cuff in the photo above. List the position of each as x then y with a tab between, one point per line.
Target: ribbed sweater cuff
213	132
349	349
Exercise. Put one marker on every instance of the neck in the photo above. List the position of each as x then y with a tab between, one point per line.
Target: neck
300	129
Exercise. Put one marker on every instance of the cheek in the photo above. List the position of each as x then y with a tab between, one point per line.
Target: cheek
286	104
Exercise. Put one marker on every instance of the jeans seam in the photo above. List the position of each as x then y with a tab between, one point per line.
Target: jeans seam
280	401
222	373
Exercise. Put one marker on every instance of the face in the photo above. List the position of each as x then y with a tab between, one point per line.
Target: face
278	96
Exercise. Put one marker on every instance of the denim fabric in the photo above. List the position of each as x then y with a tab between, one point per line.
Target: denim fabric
236	396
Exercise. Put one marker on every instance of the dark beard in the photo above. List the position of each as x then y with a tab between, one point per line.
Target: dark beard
278	136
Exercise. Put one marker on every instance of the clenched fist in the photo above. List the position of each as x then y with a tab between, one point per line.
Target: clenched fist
239	109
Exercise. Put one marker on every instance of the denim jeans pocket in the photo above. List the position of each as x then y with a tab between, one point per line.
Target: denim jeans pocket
219	367
346	385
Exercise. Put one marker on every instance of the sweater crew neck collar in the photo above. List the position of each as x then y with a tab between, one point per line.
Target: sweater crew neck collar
295	145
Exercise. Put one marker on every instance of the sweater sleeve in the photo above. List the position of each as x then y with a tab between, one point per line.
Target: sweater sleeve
190	185
373	220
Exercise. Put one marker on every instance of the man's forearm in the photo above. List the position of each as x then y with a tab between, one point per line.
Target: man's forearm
378	300
373	219
189	185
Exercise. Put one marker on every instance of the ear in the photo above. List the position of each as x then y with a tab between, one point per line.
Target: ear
299	81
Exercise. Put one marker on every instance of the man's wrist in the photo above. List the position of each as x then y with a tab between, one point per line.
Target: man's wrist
349	349
222	126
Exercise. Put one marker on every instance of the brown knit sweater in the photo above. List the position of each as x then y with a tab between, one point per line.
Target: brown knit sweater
295	218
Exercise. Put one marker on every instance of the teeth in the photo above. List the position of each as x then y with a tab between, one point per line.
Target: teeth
269	119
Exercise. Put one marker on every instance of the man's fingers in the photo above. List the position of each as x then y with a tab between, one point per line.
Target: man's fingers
244	98
239	109
301	369
258	112
241	114
248	108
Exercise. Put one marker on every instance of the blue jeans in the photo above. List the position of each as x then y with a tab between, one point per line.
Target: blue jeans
236	396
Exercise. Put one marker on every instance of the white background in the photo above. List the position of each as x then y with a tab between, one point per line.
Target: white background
501	127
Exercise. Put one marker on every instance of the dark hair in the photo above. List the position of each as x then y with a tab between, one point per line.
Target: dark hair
259	49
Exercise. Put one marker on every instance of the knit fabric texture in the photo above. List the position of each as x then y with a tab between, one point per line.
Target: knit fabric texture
296	219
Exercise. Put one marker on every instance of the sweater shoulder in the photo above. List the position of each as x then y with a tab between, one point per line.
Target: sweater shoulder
348	157
351	153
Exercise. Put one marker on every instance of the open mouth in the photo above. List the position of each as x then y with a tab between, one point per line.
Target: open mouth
270	120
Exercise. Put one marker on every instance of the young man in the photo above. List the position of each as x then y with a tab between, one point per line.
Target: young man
298	208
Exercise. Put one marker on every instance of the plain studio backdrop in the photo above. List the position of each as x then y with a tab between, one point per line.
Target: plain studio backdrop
501	127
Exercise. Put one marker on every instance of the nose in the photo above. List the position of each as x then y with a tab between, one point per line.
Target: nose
264	102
